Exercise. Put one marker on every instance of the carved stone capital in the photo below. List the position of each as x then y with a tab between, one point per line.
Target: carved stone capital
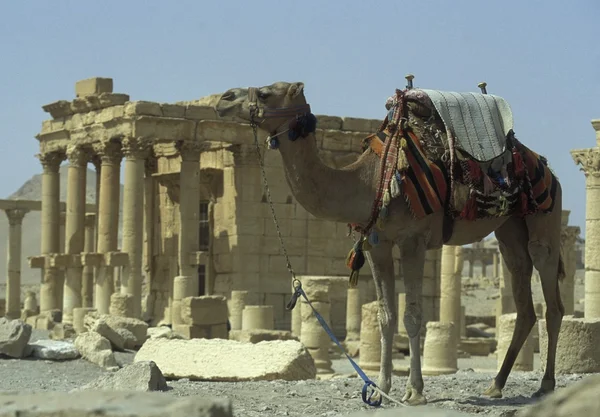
135	148
189	151
589	159
569	235
15	216
51	161
109	152
77	156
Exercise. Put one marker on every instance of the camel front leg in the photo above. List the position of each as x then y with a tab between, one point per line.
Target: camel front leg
382	266
413	262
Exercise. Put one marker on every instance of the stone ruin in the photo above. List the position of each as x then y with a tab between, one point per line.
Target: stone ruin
199	265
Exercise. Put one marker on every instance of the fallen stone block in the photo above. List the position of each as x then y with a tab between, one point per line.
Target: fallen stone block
54	350
139	376
96	349
259	335
104	330
62	331
578	399
14	336
163	332
129	339
204	310
137	327
215	331
477	346
228	360
577	350
111	404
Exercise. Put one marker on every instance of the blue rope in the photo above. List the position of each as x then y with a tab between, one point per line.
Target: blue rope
368	383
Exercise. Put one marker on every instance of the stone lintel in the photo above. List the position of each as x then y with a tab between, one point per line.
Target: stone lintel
92	259
116	258
56	135
93	86
37	262
59	260
198	258
33	205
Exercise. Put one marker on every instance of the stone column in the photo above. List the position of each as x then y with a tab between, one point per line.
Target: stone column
189	205
567	286
74	228
312	334
505	304
438	359
258	318
353	314
495	272
370	338
108	219
589	159
87	287
237	303
505	329
50	239
135	152
451	277
13	263
148	253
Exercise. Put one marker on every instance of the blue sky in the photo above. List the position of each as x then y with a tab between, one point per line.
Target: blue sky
541	56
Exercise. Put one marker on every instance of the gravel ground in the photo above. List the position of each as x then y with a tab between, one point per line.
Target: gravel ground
338	396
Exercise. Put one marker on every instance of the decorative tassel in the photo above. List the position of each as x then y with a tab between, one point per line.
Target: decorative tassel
402	163
386	198
383	213
488	185
403	144
474	170
503	205
373	238
524	203
355	260
394	187
518	163
470	210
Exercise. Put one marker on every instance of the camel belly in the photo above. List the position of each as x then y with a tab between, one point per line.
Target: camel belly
469	231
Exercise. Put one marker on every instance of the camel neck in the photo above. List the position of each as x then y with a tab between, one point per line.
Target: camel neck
325	192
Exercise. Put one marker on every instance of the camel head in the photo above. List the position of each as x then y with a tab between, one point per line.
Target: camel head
273	107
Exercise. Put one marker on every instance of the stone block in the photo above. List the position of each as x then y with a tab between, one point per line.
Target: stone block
358	125
121	305
173	110
256	336
335	140
329	122
200	112
111	404
285	360
93	86
577	350
204	310
147	108
96	349
479	346
116	258
258	317
14	336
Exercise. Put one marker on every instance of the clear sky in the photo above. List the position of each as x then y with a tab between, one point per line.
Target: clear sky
541	56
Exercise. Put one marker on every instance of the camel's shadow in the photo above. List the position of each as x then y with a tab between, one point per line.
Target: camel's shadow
519	400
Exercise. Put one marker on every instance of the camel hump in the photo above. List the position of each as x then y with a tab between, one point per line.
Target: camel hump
479	122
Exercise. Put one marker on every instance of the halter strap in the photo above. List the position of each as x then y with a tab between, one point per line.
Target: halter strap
266	112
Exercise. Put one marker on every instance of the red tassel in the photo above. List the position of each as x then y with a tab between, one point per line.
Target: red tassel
470	210
518	163
524	205
474	170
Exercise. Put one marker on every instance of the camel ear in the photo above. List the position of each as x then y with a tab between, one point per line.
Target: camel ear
295	89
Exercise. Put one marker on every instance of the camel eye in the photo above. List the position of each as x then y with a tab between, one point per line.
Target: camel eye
262	96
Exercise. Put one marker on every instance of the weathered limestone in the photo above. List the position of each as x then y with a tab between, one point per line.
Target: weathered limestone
439	350
50	240
13	265
370	337
589	159
30	303
258	317
312	334
353	314
568	236
14	336
577	350
78	318
121	305
135	152
505	304
505	329
93	86
203	317
87	284
267	361
236	306
108	220
74	228
401	308
451	277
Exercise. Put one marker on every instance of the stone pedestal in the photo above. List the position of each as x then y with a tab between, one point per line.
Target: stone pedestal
108	220
135	152
121	305
182	287
506	327
370	338
353	314
451	276
50	239
74	228
569	236
30	303
87	284
13	264
312	334
439	350
588	159
237	303
78	318
258	317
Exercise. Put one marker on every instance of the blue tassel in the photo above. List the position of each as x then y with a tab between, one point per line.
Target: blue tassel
373	238
273	143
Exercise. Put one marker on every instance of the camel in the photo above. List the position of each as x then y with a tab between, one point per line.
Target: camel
347	195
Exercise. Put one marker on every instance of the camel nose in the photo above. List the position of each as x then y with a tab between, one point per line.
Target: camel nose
228	95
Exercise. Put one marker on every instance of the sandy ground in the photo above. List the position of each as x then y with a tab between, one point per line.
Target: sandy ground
338	396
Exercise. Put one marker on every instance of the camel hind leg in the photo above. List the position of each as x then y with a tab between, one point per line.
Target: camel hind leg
512	239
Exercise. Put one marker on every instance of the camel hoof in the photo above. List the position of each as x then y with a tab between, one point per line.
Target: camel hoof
493	391
541	393
413	398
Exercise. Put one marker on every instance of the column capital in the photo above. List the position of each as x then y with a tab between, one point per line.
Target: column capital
135	148
150	165
77	155
15	216
569	235
51	161
109	152
589	159
189	151
90	219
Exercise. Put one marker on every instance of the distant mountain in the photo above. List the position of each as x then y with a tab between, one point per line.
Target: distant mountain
32	190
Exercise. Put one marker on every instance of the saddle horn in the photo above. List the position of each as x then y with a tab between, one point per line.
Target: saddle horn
409	78
482	86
